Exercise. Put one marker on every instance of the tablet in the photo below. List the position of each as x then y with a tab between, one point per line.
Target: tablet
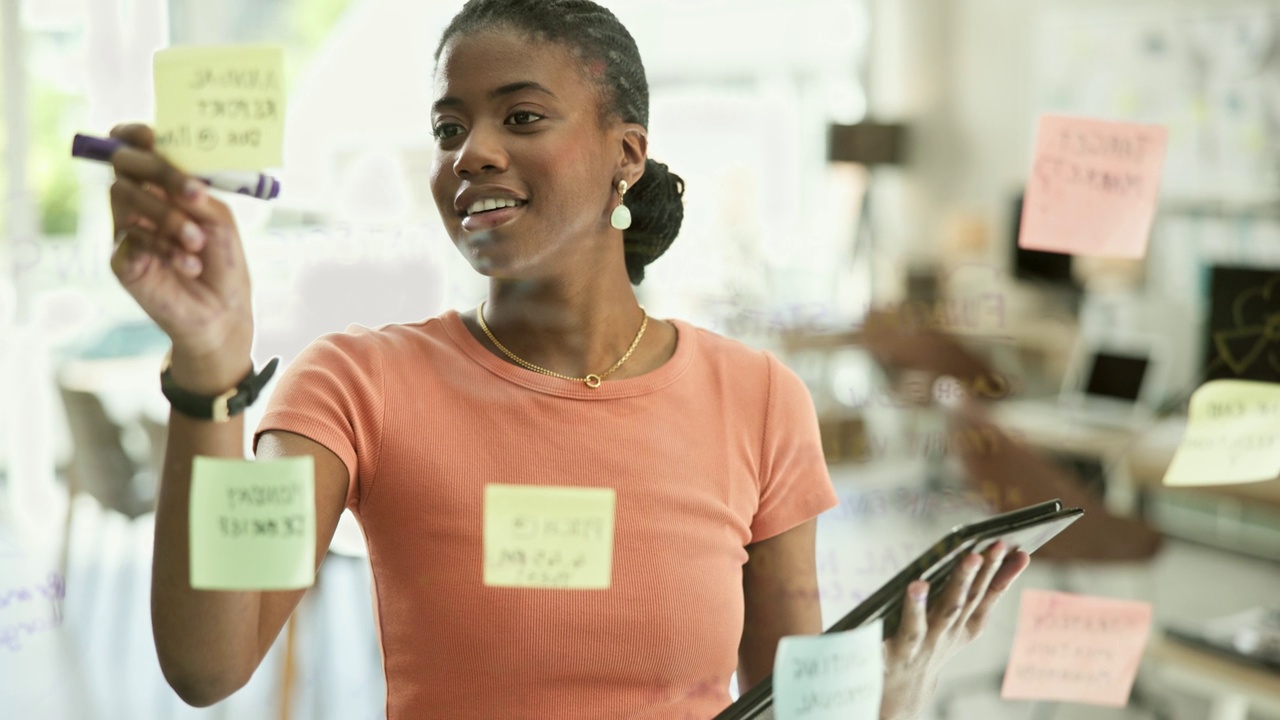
1026	529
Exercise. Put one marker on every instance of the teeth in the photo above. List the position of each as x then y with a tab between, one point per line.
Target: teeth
480	206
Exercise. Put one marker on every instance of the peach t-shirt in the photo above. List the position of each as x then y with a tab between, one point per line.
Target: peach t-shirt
715	449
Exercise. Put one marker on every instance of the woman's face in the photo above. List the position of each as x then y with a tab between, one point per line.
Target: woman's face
517	123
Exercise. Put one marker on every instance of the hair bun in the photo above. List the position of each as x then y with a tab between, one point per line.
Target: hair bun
657	210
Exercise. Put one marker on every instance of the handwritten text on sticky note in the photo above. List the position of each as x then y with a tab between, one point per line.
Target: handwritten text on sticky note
1093	187
1232	436
220	108
835	676
1076	648
548	537
253	524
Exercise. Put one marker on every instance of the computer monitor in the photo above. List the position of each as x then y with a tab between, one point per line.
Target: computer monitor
1242	331
1042	268
1116	376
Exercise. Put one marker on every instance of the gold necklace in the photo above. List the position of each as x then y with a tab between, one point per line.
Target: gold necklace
592	381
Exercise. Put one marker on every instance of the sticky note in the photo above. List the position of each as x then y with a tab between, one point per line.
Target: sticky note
1231	437
834	676
220	107
1076	648
548	537
253	523
1093	187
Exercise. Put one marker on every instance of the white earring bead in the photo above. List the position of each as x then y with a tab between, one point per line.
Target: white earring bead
621	217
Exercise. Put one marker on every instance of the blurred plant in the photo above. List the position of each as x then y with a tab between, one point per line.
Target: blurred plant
53	178
309	23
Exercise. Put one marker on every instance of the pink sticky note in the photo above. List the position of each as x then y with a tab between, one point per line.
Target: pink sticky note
1076	648
1093	187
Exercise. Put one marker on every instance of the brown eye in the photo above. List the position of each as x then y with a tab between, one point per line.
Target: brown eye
524	117
445	131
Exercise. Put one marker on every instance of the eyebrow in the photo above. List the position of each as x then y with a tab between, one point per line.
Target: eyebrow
508	89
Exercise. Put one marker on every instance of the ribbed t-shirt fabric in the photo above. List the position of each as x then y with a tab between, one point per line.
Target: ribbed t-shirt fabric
715	449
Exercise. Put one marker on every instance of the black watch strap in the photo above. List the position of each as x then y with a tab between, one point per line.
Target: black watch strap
218	408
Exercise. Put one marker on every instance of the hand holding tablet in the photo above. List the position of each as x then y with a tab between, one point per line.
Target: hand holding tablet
1019	531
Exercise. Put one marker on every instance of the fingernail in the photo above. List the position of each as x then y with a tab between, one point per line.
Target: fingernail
192	236
919	593
190	264
192	189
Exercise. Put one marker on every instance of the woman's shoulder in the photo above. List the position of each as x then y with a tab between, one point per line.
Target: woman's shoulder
724	350
362	343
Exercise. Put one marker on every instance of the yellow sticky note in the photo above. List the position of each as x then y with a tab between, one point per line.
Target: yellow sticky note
253	524
220	107
548	537
1076	648
1231	436
1093	187
833	676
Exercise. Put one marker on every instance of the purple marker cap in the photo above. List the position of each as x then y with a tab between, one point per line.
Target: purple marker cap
94	148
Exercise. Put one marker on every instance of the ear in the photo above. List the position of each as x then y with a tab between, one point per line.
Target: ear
635	150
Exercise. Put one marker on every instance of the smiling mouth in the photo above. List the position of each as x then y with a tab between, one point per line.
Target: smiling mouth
480	209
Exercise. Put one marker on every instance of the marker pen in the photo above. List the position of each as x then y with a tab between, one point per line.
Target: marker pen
253	184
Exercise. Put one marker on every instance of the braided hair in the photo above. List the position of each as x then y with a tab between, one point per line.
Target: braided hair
602	43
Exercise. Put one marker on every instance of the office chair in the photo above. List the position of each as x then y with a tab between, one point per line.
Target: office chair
99	464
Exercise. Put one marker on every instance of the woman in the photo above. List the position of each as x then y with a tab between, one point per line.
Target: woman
558	380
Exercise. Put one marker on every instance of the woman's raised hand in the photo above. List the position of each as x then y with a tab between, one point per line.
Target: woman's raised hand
178	253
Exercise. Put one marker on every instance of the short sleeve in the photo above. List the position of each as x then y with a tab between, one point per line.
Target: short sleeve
332	394
794	483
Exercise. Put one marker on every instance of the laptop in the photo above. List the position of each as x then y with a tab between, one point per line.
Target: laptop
1108	385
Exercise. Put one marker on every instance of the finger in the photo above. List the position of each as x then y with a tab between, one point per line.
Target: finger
1009	571
159	193
166	221
146	166
131	258
913	626
187	192
978	590
135	134
138	250
944	614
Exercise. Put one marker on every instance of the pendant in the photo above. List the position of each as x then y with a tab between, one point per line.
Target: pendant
621	217
592	381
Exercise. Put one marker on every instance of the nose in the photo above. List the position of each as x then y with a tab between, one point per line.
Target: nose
481	152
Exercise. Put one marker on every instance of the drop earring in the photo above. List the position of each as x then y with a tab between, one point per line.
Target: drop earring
621	217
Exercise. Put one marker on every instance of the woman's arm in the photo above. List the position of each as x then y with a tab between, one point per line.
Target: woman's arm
780	592
209	642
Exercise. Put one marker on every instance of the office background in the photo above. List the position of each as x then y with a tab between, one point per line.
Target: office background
796	224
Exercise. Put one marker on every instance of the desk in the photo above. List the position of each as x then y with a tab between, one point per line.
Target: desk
1234	689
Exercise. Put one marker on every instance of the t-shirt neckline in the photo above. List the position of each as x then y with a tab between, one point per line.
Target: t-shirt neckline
649	382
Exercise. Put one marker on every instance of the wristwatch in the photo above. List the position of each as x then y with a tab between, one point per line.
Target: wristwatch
217	408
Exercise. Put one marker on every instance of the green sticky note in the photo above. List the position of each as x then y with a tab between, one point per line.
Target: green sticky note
253	524
1232	436
548	537
220	107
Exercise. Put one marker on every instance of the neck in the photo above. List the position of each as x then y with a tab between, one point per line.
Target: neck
574	329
